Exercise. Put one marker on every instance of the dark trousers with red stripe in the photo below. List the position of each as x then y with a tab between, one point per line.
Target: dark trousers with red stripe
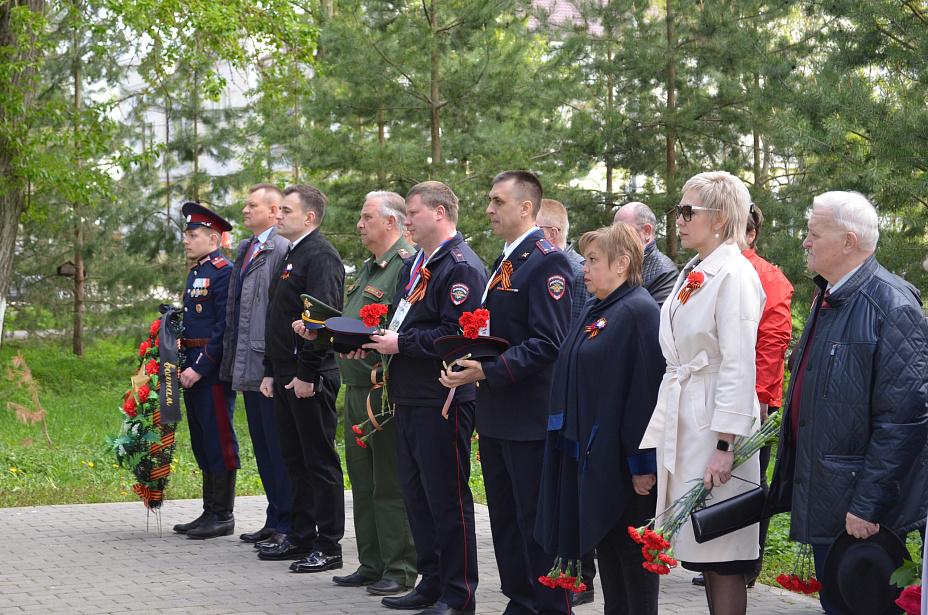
262	425
512	476
434	461
212	436
306	432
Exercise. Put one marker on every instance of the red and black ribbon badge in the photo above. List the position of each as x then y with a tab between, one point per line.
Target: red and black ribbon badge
594	329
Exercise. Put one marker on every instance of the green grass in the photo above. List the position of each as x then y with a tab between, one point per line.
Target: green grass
82	397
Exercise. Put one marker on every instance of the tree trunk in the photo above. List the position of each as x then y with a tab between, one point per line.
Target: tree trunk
434	94
17	85
670	135
196	136
167	157
381	139
610	103
78	340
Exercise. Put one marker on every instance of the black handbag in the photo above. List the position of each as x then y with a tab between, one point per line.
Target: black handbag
729	515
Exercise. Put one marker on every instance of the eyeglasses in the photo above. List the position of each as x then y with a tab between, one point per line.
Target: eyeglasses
687	211
554	227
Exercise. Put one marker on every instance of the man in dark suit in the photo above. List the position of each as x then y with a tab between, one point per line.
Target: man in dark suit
210	402
304	381
256	261
529	299
433	429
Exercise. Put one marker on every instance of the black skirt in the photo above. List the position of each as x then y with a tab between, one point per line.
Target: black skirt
744	566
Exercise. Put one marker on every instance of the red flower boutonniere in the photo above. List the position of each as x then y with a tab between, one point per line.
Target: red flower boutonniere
595	328
287	271
694	282
371	314
473	322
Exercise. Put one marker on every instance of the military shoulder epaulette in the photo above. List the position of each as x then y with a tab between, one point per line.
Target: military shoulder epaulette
219	262
458	256
546	246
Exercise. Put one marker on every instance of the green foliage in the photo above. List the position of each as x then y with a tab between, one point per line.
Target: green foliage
82	397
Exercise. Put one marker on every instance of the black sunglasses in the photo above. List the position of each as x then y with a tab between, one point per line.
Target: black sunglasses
687	211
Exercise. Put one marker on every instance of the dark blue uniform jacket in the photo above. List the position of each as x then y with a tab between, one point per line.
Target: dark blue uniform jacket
205	314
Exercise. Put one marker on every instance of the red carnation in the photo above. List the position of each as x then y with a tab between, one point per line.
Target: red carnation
566	582
472	322
696	277
144	392
547	581
655	540
129	408
151	368
360	442
357	430
157	342
633	532
911	600
154	328
143	348
667	559
814	585
371	314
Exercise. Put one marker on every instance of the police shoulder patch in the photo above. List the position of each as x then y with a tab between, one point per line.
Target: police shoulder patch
546	246
459	293
556	286
373	291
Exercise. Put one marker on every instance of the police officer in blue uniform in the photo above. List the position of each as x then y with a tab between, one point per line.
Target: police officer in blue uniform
210	402
433	428
529	299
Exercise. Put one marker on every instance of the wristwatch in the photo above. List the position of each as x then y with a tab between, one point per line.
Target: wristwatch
723	446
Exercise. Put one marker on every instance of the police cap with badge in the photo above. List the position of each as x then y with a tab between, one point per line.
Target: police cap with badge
196	216
314	315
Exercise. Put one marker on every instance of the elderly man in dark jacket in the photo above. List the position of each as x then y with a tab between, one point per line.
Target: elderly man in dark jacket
852	454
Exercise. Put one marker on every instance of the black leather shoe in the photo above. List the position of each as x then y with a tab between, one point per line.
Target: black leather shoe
387	587
183	528
440	608
263	534
410	602
355	579
584	597
217	525
700	580
319	562
271	543
287	550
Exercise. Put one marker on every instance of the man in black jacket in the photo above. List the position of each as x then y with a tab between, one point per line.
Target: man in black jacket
433	428
852	449
529	299
304	381
659	272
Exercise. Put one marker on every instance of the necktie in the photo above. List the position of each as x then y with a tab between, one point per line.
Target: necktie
249	256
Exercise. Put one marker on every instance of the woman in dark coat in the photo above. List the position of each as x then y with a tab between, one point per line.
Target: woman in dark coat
596	481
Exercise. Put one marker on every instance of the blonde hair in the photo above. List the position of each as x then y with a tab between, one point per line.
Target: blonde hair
723	193
617	241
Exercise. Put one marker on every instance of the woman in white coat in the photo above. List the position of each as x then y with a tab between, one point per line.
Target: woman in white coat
707	400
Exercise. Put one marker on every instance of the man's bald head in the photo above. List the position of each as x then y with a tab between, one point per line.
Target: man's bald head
640	217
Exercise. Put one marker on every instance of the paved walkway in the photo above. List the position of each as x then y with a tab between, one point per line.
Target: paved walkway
99	558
